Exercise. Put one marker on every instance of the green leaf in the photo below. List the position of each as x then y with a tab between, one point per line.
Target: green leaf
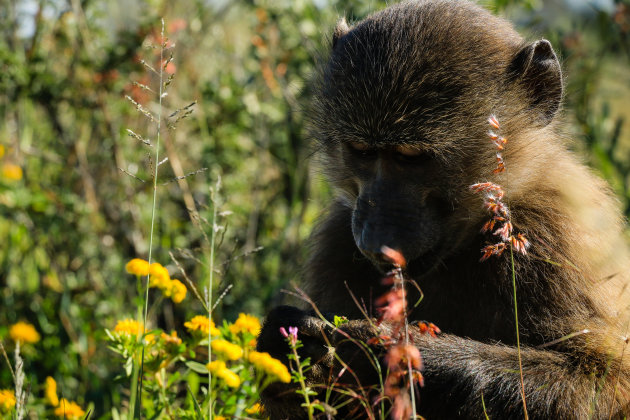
129	366
196	404
197	367
339	320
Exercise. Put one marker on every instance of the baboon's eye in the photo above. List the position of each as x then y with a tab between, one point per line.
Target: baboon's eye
407	150
361	149
410	154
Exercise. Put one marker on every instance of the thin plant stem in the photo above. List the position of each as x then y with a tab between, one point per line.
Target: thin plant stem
138	393
155	175
518	340
134	386
210	282
307	400
6	357
134	391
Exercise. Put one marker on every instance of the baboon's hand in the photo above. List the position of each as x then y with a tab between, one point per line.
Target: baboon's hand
358	352
335	353
348	355
313	332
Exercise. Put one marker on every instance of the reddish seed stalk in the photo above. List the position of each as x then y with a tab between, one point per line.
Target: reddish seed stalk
505	231
499	211
412	393
402	357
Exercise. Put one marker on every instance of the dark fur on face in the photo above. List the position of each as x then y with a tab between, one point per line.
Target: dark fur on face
399	115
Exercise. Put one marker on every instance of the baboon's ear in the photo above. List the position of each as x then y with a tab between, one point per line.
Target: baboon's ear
537	69
341	29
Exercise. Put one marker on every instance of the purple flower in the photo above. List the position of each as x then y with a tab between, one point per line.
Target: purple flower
284	332
293	331
291	335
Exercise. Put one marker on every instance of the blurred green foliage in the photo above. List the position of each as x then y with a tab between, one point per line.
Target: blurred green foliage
79	212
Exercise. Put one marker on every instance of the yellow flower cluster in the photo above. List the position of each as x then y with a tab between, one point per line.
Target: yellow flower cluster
69	410
228	350
159	278
203	324
178	291
7	399
11	171
129	327
246	323
51	392
24	333
149	338
138	267
65	409
230	378
271	366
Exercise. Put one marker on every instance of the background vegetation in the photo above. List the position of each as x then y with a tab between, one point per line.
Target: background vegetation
76	191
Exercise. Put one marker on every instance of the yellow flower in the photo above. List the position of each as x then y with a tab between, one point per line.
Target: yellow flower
51	392
231	379
7	399
1	150
219	418
69	410
11	171
24	332
160	279
160	283
216	366
203	324
269	365
213	330
256	358
158	271
129	327
138	267
247	323
178	291
254	409
227	349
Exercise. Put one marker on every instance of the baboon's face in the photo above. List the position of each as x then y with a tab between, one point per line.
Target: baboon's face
397	139
397	202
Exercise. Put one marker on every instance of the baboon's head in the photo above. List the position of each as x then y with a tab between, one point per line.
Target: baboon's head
400	116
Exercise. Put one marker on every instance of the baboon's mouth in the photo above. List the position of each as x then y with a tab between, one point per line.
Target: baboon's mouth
418	264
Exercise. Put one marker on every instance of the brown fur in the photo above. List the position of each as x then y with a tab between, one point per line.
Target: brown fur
428	74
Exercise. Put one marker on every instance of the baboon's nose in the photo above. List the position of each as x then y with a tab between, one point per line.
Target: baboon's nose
376	255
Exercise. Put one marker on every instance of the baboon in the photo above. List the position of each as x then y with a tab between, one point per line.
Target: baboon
399	116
